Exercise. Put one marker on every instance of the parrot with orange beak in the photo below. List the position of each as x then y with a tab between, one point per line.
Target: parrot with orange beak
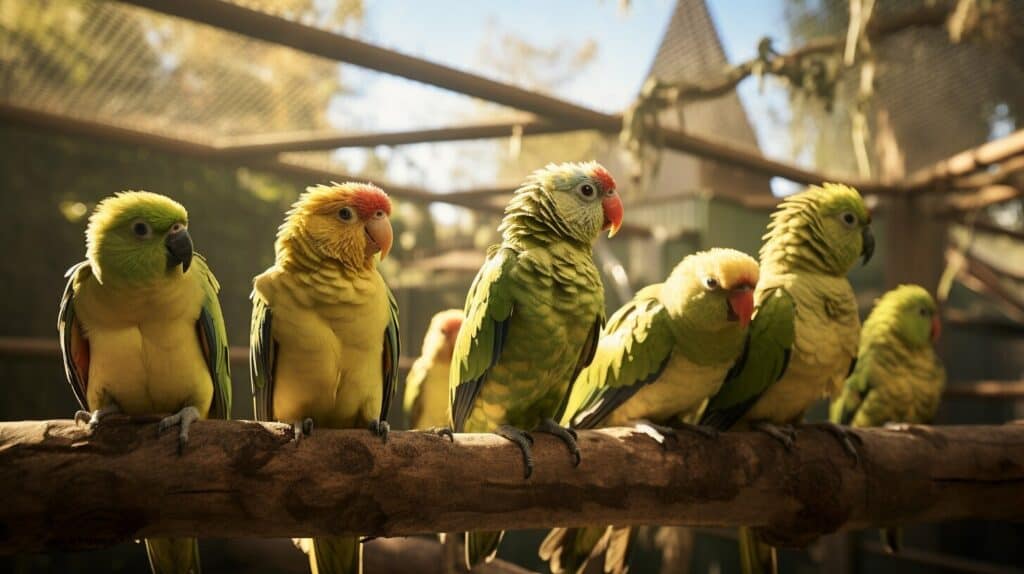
324	343
659	360
533	315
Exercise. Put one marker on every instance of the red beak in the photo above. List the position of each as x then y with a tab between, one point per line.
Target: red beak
741	303
936	329
612	206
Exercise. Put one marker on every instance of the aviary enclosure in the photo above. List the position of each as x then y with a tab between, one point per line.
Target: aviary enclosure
649	381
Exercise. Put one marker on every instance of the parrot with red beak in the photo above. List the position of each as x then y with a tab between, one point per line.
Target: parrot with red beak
324	343
659	360
533	315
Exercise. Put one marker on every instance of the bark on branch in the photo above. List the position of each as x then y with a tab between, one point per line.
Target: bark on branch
66	487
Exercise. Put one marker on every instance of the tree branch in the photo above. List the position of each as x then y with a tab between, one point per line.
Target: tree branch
68	488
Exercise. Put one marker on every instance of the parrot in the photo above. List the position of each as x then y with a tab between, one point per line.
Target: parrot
141	331
659	359
898	378
324	339
806	327
533	315
426	386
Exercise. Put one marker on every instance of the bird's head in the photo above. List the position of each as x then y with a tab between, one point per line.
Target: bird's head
714	289
441	334
138	236
912	313
348	223
575	200
826	227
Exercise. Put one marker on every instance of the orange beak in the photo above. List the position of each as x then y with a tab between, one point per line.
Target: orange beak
612	206
936	329
741	305
380	236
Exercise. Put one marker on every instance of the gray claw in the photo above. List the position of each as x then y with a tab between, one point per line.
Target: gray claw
844	436
566	434
301	429
523	440
782	433
381	429
444	432
185	417
93	418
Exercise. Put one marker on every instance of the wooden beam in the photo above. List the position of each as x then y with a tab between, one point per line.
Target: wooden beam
319	42
271	144
967	162
71	488
994	390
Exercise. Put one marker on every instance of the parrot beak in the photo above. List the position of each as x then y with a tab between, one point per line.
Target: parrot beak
741	304
612	207
936	329
379	235
179	247
867	244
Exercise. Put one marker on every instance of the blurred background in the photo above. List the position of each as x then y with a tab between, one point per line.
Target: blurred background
232	108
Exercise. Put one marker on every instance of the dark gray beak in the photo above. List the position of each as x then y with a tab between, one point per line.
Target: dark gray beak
867	243
179	249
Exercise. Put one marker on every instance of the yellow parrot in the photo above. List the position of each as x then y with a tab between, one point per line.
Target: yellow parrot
324	340
426	387
141	331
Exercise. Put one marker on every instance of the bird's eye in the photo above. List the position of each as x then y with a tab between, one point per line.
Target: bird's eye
924	312
710	283
586	190
345	213
848	218
141	229
379	213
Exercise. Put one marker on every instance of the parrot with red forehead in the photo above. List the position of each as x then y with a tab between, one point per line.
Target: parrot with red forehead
898	378
533	315
805	330
659	360
141	331
426	386
324	342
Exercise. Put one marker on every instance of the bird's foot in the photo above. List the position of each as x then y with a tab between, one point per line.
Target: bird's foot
443	432
707	432
659	433
523	440
93	419
381	429
785	434
185	417
845	437
301	429
566	434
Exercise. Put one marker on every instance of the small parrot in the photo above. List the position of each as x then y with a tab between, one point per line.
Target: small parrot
659	359
324	342
805	331
533	315
426	386
141	331
898	378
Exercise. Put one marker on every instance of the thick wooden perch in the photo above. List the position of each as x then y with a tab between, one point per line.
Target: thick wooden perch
66	487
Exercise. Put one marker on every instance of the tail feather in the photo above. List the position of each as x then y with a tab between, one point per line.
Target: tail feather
756	557
892	539
619	546
333	554
482	546
568	550
173	555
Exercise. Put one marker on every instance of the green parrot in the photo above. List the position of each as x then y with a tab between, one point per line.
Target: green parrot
804	335
426	386
141	331
898	378
659	359
533	315
324	343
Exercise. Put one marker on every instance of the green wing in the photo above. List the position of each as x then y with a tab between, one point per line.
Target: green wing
637	346
771	338
74	346
411	406
489	306
262	358
389	358
213	338
855	390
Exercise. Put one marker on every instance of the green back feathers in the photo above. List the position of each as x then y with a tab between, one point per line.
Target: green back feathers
554	203
820	229
125	236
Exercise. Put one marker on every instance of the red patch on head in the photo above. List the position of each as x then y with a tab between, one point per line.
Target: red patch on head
452	325
369	199
604	178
